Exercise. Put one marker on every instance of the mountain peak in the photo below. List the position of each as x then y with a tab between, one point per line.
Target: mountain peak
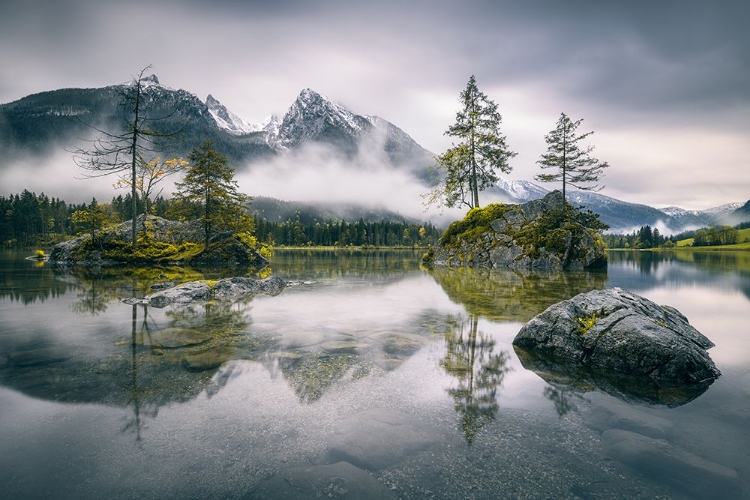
227	120
309	94
151	79
314	117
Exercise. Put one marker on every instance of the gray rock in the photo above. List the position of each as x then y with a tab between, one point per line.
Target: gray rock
226	289
619	333
192	291
239	288
339	480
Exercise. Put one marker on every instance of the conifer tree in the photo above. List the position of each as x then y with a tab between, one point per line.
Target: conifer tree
472	165
574	164
209	186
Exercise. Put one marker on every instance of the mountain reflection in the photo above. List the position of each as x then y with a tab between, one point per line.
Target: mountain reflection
470	357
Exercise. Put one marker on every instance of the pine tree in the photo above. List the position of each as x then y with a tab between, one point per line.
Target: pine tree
209	186
575	165
471	165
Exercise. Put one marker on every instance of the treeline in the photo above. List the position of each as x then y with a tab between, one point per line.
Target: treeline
28	219
300	232
647	237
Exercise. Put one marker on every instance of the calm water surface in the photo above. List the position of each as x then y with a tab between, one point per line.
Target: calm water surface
369	378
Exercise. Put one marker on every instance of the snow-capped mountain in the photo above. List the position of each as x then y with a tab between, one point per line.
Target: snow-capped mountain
621	216
40	123
227	120
521	191
314	118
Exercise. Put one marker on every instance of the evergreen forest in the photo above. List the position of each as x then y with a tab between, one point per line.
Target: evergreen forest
28	219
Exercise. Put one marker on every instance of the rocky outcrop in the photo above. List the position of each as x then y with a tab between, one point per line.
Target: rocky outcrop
160	241
545	234
227	250
227	289
619	335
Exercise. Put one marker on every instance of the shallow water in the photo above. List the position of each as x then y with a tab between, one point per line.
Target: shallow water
369	377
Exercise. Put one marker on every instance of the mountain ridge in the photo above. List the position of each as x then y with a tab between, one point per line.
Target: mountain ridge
44	120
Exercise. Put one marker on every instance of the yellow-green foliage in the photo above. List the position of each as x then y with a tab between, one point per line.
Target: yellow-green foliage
476	223
264	249
150	250
586	323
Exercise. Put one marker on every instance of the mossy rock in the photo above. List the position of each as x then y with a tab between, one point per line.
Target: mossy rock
545	234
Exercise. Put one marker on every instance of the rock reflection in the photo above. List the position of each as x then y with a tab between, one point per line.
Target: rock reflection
471	358
570	382
513	295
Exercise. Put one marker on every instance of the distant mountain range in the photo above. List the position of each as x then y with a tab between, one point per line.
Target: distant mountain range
625	217
41	123
46	122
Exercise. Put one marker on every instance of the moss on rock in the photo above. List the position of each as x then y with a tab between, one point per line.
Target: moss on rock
541	234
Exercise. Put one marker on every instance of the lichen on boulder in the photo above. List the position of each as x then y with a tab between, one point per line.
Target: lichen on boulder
618	334
545	234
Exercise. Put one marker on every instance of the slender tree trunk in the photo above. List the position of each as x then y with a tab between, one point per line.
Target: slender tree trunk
133	171
474	184
564	161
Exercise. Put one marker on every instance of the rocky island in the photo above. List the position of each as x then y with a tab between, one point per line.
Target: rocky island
161	241
544	234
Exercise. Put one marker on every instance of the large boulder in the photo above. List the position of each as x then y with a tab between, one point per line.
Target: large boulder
619	335
544	234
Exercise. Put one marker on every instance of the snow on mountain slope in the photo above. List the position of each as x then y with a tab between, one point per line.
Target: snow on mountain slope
521	191
227	120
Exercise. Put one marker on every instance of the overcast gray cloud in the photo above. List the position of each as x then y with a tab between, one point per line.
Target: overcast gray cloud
665	84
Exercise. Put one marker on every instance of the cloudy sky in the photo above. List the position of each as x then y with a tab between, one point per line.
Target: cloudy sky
665	84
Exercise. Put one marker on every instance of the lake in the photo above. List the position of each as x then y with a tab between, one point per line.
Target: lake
369	377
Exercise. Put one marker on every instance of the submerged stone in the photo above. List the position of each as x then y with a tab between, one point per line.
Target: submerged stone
173	338
686	471
339	480
626	342
379	438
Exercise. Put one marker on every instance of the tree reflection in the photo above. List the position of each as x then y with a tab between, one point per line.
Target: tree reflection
133	398
470	357
92	298
563	398
505	295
